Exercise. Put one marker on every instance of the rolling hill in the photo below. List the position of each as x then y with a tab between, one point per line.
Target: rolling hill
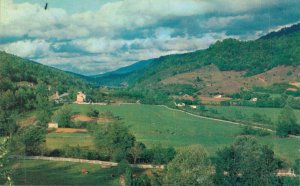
19	71
271	59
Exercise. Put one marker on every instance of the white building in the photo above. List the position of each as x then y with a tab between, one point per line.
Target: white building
52	125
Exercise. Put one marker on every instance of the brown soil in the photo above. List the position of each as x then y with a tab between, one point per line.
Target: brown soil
83	118
70	130
297	84
206	100
104	120
88	119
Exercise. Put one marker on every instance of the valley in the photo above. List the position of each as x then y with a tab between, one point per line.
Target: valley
235	104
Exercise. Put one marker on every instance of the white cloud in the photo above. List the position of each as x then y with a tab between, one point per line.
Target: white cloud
98	45
98	38
27	48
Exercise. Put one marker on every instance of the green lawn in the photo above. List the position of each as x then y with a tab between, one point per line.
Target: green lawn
39	172
158	125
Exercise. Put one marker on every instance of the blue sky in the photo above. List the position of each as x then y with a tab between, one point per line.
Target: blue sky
96	36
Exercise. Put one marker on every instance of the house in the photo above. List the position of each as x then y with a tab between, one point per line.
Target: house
52	125
58	98
193	106
81	97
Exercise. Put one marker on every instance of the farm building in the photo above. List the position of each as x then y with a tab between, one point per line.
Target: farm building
52	125
81	97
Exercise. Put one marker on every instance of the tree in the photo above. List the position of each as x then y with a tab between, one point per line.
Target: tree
137	150
33	138
162	155
114	139
246	162
43	105
191	166
63	116
4	170
7	122
287	122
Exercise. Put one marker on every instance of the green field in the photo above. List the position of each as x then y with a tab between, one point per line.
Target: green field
230	111
158	125
59	140
39	172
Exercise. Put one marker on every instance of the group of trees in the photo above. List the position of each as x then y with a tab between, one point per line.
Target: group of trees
245	162
287	123
115	141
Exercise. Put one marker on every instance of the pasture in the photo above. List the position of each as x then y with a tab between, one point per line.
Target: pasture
231	111
158	125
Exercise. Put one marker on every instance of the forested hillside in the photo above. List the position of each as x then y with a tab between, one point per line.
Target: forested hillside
27	86
254	57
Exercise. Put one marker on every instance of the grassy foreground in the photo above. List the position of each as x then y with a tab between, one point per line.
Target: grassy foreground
39	172
158	125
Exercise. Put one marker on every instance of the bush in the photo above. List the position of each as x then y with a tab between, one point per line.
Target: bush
255	132
158	155
93	112
296	166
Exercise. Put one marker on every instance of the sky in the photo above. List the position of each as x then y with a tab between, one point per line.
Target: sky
96	36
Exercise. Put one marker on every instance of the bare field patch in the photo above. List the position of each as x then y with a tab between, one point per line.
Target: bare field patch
208	100
70	130
83	118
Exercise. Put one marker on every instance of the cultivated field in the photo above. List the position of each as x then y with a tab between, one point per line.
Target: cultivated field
158	125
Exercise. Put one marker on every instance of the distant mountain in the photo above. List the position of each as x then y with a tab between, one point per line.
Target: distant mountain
120	77
128	69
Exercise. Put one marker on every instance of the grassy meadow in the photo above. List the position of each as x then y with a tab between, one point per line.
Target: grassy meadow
158	125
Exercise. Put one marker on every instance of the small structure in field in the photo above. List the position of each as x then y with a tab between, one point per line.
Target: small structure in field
254	99
193	106
52	125
81	97
218	96
180	104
